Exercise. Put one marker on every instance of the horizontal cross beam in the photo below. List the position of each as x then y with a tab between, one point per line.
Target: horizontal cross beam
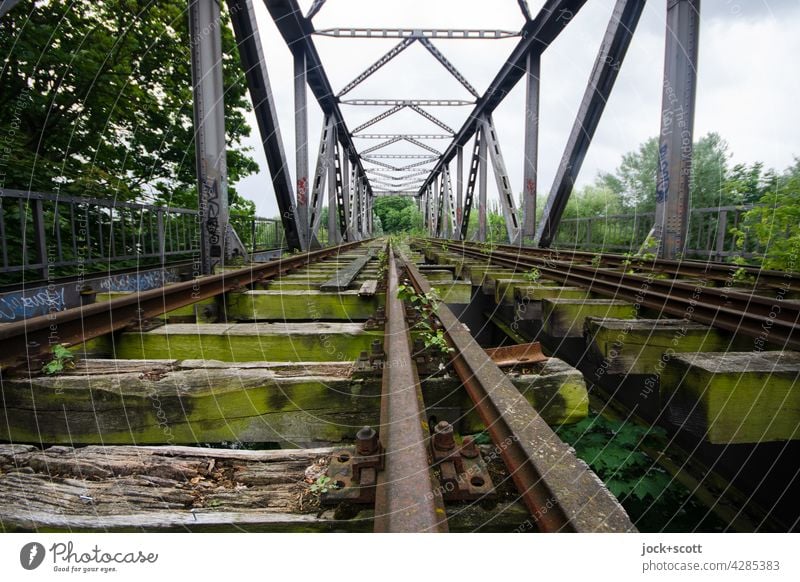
463	34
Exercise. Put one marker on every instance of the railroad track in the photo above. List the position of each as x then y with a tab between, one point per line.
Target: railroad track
734	311
725	273
409	471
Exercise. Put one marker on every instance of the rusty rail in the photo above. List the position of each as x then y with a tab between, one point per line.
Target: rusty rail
560	491
715	271
770	318
407	498
26	340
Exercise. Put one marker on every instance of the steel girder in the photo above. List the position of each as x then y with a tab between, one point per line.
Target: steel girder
209	126
471	181
677	127
297	31
536	35
531	147
609	59
393	102
449	34
320	175
252	58
504	190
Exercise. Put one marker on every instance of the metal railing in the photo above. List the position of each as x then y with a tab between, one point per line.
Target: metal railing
51	234
711	233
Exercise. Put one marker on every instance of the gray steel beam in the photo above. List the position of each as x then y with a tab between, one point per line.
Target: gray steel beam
414	165
504	190
382	145
536	35
320	175
254	65
394	102
677	127
450	207
374	67
461	34
431	118
472	179
403	135
451	68
483	176
377	118
399	157
609	59
385	166
315	7
459	188
209	126
531	148
297	31
301	147
526	11
419	144
334	237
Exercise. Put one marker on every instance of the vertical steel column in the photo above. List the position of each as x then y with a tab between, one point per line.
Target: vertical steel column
320	176
301	145
334	236
459	188
504	190
677	127
347	198
531	152
483	168
209	125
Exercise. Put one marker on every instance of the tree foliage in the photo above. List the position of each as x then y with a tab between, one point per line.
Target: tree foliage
774	224
398	214
97	100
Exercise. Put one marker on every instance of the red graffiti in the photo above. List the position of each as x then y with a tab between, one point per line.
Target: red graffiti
302	190
530	185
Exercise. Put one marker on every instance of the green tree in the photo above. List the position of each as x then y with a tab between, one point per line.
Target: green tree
774	224
634	181
97	100
398	214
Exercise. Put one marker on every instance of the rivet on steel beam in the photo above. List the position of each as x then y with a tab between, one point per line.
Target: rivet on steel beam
366	441
443	438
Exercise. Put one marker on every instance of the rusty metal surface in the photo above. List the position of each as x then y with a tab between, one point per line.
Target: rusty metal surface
742	313
560	491
407	496
26	340
517	354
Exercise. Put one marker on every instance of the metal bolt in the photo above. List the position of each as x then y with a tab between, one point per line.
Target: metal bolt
377	348
366	441
443	438
468	448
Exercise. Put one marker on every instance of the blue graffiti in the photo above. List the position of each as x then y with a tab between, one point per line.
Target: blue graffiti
21	305
662	187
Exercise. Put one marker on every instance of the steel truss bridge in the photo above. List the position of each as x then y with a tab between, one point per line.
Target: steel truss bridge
353	166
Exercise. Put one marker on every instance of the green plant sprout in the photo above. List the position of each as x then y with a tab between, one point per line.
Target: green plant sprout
63	359
426	305
533	275
323	484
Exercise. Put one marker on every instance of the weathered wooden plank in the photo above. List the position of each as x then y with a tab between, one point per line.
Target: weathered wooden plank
343	278
734	397
184	488
369	288
528	298
207	401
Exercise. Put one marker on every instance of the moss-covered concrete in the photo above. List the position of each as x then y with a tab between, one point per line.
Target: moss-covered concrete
565	317
734	397
301	306
639	346
528	298
505	290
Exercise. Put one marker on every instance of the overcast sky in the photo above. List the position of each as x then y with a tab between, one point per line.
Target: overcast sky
748	81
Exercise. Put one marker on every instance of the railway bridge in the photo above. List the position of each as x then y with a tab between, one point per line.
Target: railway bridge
302	373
